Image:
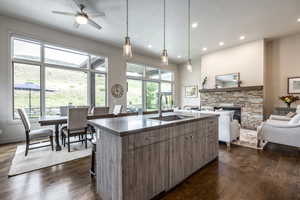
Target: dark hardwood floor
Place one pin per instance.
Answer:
(241, 174)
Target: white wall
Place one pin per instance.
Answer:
(12, 130)
(283, 61)
(247, 59)
(189, 79)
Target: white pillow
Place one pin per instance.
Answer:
(295, 119)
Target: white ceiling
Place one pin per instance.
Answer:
(219, 20)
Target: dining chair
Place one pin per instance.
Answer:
(76, 126)
(100, 110)
(38, 134)
(117, 109)
(63, 110)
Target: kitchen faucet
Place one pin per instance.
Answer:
(161, 94)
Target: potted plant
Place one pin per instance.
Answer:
(289, 99)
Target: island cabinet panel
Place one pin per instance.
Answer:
(109, 162)
(176, 159)
(192, 150)
(141, 165)
(146, 165)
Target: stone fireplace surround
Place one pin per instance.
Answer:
(250, 99)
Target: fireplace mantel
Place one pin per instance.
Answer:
(236, 89)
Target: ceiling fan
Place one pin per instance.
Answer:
(82, 17)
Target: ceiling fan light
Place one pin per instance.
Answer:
(127, 51)
(80, 19)
(189, 65)
(164, 57)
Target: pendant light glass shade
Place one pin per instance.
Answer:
(164, 57)
(164, 53)
(189, 65)
(127, 50)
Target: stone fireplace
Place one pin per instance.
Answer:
(249, 99)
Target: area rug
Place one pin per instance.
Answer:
(44, 157)
(248, 138)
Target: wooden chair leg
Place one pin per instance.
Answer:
(93, 162)
(27, 148)
(69, 148)
(51, 142)
(85, 140)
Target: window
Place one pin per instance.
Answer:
(26, 50)
(98, 63)
(152, 89)
(27, 89)
(134, 70)
(100, 89)
(166, 75)
(152, 73)
(143, 85)
(64, 57)
(167, 89)
(134, 95)
(64, 88)
(70, 78)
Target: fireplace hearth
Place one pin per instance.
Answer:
(247, 104)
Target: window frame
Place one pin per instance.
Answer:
(91, 90)
(145, 80)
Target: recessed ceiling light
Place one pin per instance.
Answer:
(204, 49)
(298, 19)
(242, 37)
(179, 56)
(221, 43)
(195, 25)
(149, 46)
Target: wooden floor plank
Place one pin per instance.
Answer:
(241, 174)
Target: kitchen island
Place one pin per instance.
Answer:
(140, 157)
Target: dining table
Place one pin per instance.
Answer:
(57, 121)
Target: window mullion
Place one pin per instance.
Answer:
(144, 95)
(90, 85)
(42, 82)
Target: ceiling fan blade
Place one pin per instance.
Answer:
(76, 25)
(99, 14)
(78, 4)
(64, 13)
(94, 24)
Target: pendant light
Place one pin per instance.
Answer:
(189, 62)
(164, 53)
(127, 51)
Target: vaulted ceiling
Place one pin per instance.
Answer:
(218, 20)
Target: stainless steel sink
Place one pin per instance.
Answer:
(171, 117)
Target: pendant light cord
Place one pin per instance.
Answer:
(189, 30)
(164, 24)
(127, 18)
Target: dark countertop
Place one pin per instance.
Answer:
(134, 124)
